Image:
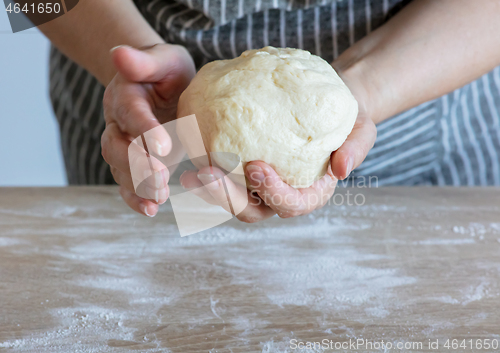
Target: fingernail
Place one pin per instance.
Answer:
(255, 173)
(158, 148)
(350, 164)
(209, 181)
(181, 179)
(118, 46)
(145, 210)
(187, 188)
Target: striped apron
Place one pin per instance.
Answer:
(453, 140)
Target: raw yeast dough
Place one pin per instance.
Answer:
(285, 107)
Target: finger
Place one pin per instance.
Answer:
(284, 199)
(121, 180)
(138, 204)
(190, 182)
(256, 209)
(130, 106)
(120, 153)
(237, 200)
(158, 196)
(355, 148)
(211, 178)
(278, 195)
(148, 65)
(189, 179)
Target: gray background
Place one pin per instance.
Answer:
(29, 142)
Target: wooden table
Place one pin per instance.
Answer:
(80, 272)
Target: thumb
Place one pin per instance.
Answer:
(355, 148)
(151, 64)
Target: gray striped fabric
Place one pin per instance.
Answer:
(454, 140)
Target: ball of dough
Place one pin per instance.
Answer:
(285, 107)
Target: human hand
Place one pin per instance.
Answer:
(142, 96)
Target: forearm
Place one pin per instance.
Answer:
(430, 48)
(93, 27)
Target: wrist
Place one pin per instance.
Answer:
(362, 81)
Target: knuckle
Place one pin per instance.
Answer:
(114, 172)
(178, 55)
(105, 155)
(122, 112)
(107, 96)
(107, 104)
(131, 111)
(106, 142)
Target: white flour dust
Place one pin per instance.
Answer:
(437, 241)
(324, 263)
(470, 294)
(84, 330)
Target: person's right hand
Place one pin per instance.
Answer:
(142, 96)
